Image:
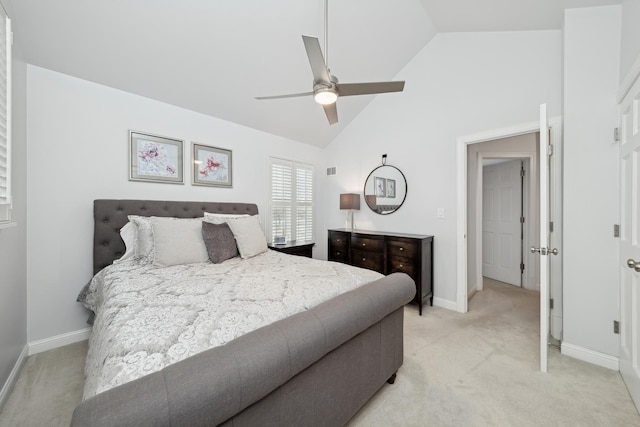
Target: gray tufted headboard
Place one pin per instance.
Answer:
(111, 215)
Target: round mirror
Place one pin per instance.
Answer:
(385, 189)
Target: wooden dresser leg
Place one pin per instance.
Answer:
(392, 378)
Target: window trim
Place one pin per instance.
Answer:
(6, 203)
(270, 202)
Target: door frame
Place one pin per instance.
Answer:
(555, 125)
(531, 215)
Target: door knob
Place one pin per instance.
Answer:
(633, 264)
(544, 251)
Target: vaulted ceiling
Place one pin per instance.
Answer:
(214, 57)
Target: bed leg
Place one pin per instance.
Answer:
(392, 378)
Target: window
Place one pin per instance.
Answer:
(5, 117)
(291, 201)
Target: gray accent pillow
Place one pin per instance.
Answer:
(219, 240)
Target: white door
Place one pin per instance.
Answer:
(544, 249)
(501, 226)
(630, 242)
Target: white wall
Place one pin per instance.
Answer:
(630, 42)
(13, 248)
(591, 201)
(459, 84)
(78, 152)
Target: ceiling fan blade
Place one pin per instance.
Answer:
(349, 89)
(332, 113)
(292, 95)
(316, 60)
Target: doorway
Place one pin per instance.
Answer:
(513, 148)
(470, 150)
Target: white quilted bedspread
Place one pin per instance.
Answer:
(149, 317)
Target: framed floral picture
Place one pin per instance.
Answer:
(212, 166)
(381, 186)
(154, 158)
(391, 187)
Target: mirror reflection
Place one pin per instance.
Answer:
(385, 189)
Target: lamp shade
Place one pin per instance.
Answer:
(350, 201)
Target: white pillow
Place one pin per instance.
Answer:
(144, 236)
(178, 241)
(128, 234)
(249, 235)
(218, 218)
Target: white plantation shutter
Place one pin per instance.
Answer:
(5, 117)
(291, 201)
(304, 203)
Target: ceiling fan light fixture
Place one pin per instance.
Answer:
(325, 96)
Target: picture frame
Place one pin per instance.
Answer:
(212, 166)
(155, 158)
(391, 187)
(279, 240)
(381, 186)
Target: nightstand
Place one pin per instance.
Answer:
(301, 248)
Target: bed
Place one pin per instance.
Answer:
(315, 367)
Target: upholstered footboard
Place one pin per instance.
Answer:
(314, 368)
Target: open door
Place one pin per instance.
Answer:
(630, 242)
(544, 249)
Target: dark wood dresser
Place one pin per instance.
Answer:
(387, 253)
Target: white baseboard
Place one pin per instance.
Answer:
(445, 303)
(13, 377)
(50, 343)
(590, 356)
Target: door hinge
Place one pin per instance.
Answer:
(616, 134)
(551, 303)
(550, 150)
(616, 230)
(616, 327)
(522, 173)
(521, 220)
(550, 226)
(521, 267)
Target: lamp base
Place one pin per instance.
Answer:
(349, 223)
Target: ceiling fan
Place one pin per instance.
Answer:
(326, 87)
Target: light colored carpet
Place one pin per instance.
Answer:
(48, 388)
(482, 369)
(474, 369)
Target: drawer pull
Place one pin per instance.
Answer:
(337, 253)
(401, 265)
(364, 244)
(364, 259)
(338, 240)
(402, 249)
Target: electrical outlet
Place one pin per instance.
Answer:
(440, 213)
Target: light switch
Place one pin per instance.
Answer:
(440, 213)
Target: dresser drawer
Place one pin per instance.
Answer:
(405, 248)
(339, 255)
(398, 264)
(338, 240)
(339, 246)
(367, 243)
(370, 260)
